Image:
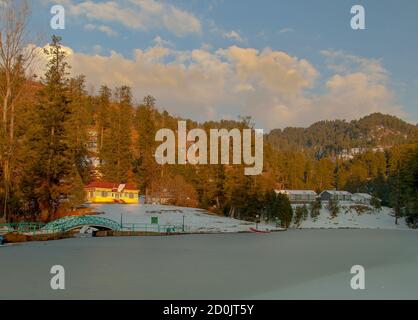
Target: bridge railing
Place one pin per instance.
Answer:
(160, 228)
(39, 228)
(21, 227)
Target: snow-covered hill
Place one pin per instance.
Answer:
(350, 217)
(195, 220)
(198, 220)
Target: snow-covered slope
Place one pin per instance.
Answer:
(195, 220)
(349, 217)
(198, 220)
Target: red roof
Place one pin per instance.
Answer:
(110, 185)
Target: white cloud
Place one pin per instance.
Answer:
(286, 30)
(231, 35)
(275, 88)
(234, 35)
(97, 49)
(105, 29)
(341, 62)
(160, 42)
(136, 14)
(359, 86)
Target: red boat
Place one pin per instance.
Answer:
(259, 231)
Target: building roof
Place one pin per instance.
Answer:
(338, 192)
(111, 185)
(364, 195)
(311, 192)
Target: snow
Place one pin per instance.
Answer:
(348, 217)
(195, 220)
(337, 192)
(297, 264)
(201, 221)
(363, 195)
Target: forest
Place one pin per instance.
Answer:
(50, 122)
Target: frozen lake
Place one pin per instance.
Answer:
(294, 264)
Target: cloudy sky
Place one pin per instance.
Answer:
(283, 62)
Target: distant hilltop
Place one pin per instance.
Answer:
(339, 137)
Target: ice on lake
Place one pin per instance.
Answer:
(306, 264)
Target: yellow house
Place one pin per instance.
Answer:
(109, 192)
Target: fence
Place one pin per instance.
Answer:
(160, 228)
(33, 228)
(22, 227)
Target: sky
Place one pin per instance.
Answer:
(282, 62)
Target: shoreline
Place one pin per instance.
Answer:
(138, 234)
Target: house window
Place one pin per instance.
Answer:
(91, 194)
(131, 195)
(104, 194)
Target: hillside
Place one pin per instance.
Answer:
(332, 137)
(201, 221)
(353, 217)
(195, 220)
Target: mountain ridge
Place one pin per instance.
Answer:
(326, 137)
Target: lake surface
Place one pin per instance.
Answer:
(306, 264)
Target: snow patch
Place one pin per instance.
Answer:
(349, 217)
(195, 220)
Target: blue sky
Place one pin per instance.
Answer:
(284, 62)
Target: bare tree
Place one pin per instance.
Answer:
(15, 58)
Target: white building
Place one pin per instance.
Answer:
(299, 196)
(363, 198)
(335, 195)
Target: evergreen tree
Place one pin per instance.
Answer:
(103, 113)
(77, 126)
(116, 152)
(285, 210)
(52, 172)
(145, 167)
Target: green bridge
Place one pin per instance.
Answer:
(74, 222)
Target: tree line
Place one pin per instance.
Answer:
(49, 124)
(51, 162)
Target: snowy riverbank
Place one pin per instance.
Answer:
(350, 217)
(198, 220)
(195, 220)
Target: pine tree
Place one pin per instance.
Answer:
(51, 171)
(146, 169)
(116, 152)
(411, 185)
(77, 126)
(103, 113)
(285, 210)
